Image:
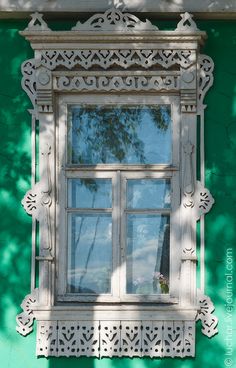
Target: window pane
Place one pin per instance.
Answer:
(147, 264)
(89, 193)
(119, 134)
(148, 193)
(89, 253)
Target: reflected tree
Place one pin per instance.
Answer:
(101, 134)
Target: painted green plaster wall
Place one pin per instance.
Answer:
(15, 233)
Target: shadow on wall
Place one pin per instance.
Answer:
(15, 238)
(15, 169)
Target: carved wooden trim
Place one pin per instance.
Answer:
(37, 23)
(209, 320)
(195, 196)
(115, 52)
(114, 20)
(37, 201)
(117, 83)
(188, 185)
(203, 199)
(28, 81)
(118, 338)
(124, 58)
(187, 23)
(205, 79)
(25, 319)
(38, 197)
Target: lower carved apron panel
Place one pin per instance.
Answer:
(118, 338)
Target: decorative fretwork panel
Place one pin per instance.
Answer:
(118, 338)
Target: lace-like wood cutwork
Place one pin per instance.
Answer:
(25, 319)
(209, 320)
(117, 83)
(125, 58)
(114, 20)
(118, 338)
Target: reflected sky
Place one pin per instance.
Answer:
(148, 193)
(119, 134)
(89, 193)
(147, 238)
(89, 253)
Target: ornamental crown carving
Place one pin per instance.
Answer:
(114, 20)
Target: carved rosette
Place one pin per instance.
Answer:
(209, 321)
(25, 319)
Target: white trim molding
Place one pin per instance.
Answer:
(113, 54)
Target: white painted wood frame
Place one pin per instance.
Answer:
(114, 58)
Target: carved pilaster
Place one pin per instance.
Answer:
(44, 90)
(37, 201)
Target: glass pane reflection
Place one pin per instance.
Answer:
(148, 193)
(89, 193)
(89, 253)
(147, 263)
(119, 134)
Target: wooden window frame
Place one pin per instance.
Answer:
(116, 172)
(118, 56)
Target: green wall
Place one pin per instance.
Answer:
(15, 233)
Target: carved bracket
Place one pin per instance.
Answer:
(28, 81)
(203, 200)
(209, 321)
(25, 319)
(205, 79)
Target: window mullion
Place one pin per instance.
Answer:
(115, 277)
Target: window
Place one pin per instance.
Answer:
(119, 180)
(116, 101)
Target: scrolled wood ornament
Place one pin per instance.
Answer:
(206, 316)
(25, 320)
